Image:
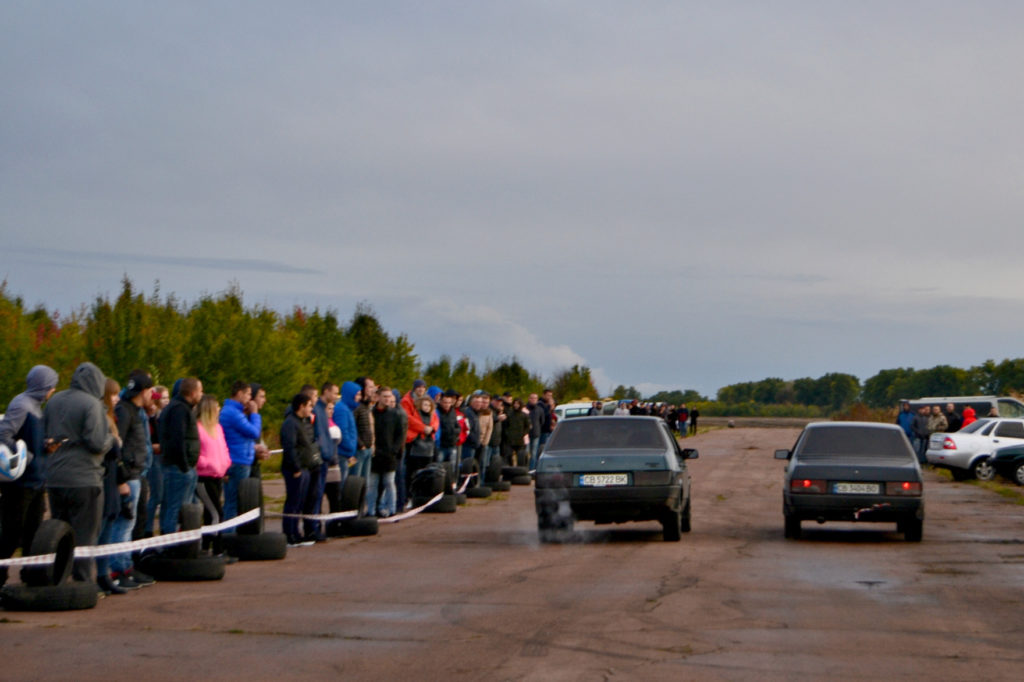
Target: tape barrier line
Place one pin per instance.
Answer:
(465, 484)
(315, 517)
(412, 512)
(148, 543)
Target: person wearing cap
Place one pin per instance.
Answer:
(131, 428)
(22, 501)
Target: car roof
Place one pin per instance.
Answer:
(866, 425)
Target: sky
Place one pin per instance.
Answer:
(678, 195)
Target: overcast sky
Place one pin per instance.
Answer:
(675, 194)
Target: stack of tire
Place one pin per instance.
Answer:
(47, 588)
(492, 477)
(184, 562)
(516, 475)
(251, 541)
(477, 489)
(353, 499)
(429, 482)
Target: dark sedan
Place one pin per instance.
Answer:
(853, 471)
(1009, 463)
(612, 470)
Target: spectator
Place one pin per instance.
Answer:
(921, 430)
(495, 445)
(345, 419)
(323, 410)
(414, 429)
(161, 397)
(365, 429)
(517, 429)
(179, 440)
(389, 442)
(22, 501)
(260, 451)
(300, 457)
(694, 414)
(471, 412)
(596, 409)
(213, 465)
(537, 416)
(970, 416)
(419, 451)
(486, 420)
(74, 420)
(905, 420)
(132, 430)
(115, 489)
(683, 416)
(621, 410)
(937, 421)
(242, 425)
(448, 431)
(547, 401)
(954, 422)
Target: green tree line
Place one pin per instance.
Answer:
(220, 339)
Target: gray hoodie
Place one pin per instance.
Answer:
(38, 383)
(76, 419)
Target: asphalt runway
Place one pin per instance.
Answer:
(474, 596)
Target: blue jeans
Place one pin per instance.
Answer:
(122, 529)
(296, 491)
(387, 500)
(156, 494)
(401, 485)
(236, 474)
(543, 441)
(362, 465)
(179, 489)
(534, 449)
(489, 454)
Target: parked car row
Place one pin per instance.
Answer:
(981, 450)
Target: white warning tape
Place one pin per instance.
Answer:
(315, 517)
(465, 484)
(149, 543)
(412, 512)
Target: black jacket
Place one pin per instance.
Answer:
(299, 445)
(389, 439)
(179, 435)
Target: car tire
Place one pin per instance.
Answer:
(792, 528)
(501, 486)
(262, 547)
(70, 596)
(1018, 474)
(478, 492)
(913, 529)
(250, 496)
(525, 479)
(191, 518)
(365, 526)
(508, 473)
(983, 470)
(52, 537)
(353, 494)
(685, 524)
(449, 477)
(493, 472)
(672, 525)
(173, 569)
(448, 504)
(461, 499)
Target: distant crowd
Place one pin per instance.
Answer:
(919, 425)
(681, 420)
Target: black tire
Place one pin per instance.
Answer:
(792, 530)
(469, 466)
(426, 483)
(672, 526)
(250, 496)
(508, 473)
(913, 529)
(448, 504)
(522, 480)
(501, 486)
(478, 492)
(461, 499)
(449, 477)
(1018, 474)
(685, 520)
(172, 569)
(983, 469)
(353, 494)
(262, 547)
(70, 596)
(494, 468)
(52, 537)
(367, 525)
(191, 518)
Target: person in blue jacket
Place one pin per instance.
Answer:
(242, 424)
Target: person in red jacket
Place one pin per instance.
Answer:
(419, 437)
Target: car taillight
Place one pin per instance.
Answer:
(912, 488)
(948, 443)
(806, 485)
(652, 478)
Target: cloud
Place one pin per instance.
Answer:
(109, 259)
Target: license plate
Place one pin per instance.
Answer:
(856, 488)
(603, 480)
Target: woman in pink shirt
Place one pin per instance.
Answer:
(213, 464)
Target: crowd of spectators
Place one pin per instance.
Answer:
(919, 425)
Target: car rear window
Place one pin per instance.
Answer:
(974, 426)
(606, 434)
(842, 441)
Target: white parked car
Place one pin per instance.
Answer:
(966, 452)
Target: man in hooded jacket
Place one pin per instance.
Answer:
(22, 501)
(77, 425)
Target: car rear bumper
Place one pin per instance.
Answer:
(613, 504)
(852, 508)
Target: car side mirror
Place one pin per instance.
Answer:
(782, 454)
(690, 453)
